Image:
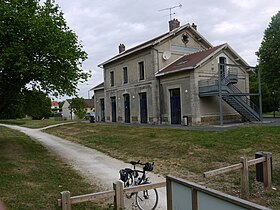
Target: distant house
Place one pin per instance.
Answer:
(70, 115)
(173, 77)
(54, 106)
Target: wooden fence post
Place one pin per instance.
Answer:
(244, 178)
(194, 199)
(65, 200)
(267, 170)
(119, 197)
(169, 193)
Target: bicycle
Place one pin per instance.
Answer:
(147, 199)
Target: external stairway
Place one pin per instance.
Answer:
(231, 95)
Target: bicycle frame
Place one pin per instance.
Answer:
(146, 199)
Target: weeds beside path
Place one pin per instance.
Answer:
(186, 153)
(31, 178)
(93, 165)
(29, 123)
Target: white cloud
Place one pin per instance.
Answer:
(103, 25)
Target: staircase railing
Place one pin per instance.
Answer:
(230, 77)
(228, 81)
(213, 80)
(246, 99)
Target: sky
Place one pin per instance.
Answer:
(101, 25)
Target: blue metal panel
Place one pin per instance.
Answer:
(181, 197)
(208, 202)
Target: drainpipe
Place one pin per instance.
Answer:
(260, 93)
(158, 84)
(160, 100)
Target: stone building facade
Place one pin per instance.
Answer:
(157, 82)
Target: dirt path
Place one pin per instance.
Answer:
(95, 166)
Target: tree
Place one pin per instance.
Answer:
(15, 109)
(38, 50)
(78, 106)
(269, 57)
(37, 105)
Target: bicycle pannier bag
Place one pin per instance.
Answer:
(148, 167)
(123, 175)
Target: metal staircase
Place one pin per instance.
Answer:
(239, 101)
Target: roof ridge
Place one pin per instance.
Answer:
(172, 62)
(210, 48)
(155, 41)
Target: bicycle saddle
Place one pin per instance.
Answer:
(134, 162)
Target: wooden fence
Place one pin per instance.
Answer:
(243, 166)
(186, 195)
(118, 192)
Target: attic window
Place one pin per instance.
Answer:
(185, 39)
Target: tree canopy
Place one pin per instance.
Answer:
(37, 105)
(37, 50)
(78, 106)
(269, 56)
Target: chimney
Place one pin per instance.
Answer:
(174, 24)
(194, 26)
(121, 48)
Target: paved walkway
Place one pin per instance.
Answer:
(95, 166)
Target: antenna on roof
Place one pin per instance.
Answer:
(170, 10)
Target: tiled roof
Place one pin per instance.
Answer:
(155, 41)
(89, 102)
(54, 104)
(101, 85)
(188, 61)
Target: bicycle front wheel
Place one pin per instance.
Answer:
(147, 199)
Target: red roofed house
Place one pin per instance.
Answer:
(174, 77)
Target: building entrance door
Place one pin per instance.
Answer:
(126, 108)
(143, 108)
(114, 109)
(175, 106)
(102, 108)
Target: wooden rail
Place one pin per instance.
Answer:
(232, 167)
(66, 200)
(244, 171)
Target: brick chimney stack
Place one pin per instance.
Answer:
(174, 24)
(194, 26)
(121, 48)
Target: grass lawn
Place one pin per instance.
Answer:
(29, 123)
(271, 114)
(186, 153)
(31, 178)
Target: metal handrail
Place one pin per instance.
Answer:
(213, 80)
(246, 99)
(226, 81)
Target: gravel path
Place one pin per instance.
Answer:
(95, 166)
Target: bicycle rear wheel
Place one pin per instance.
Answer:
(147, 199)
